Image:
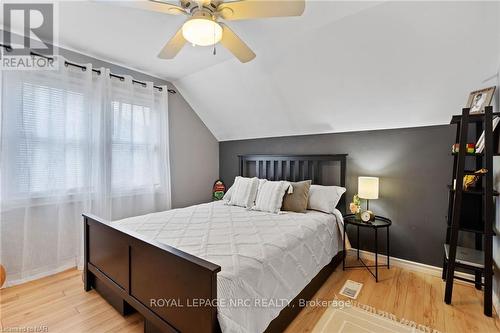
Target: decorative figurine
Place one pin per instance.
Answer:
(218, 190)
(470, 148)
(471, 180)
(355, 207)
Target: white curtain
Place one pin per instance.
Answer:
(72, 142)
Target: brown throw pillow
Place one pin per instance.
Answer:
(297, 201)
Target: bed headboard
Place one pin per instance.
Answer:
(296, 168)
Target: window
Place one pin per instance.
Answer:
(52, 134)
(134, 149)
(53, 145)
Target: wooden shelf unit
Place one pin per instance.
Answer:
(473, 118)
(472, 210)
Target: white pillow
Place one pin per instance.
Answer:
(228, 194)
(261, 182)
(270, 196)
(324, 198)
(244, 192)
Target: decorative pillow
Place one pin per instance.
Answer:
(324, 198)
(270, 196)
(229, 193)
(244, 192)
(261, 182)
(297, 201)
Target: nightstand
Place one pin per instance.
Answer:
(379, 223)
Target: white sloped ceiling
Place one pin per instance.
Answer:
(342, 66)
(389, 65)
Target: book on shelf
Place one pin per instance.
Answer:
(480, 141)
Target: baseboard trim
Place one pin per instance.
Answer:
(421, 268)
(16, 281)
(411, 265)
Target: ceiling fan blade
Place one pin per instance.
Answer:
(250, 9)
(173, 46)
(154, 6)
(235, 45)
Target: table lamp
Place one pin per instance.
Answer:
(368, 189)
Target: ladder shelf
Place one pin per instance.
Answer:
(467, 257)
(471, 210)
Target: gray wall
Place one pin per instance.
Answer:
(414, 166)
(194, 151)
(194, 155)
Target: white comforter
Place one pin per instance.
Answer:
(266, 259)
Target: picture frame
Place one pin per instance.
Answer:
(479, 99)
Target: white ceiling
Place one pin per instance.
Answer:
(133, 37)
(342, 66)
(398, 64)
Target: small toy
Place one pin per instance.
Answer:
(471, 180)
(218, 190)
(470, 148)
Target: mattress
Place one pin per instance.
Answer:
(266, 259)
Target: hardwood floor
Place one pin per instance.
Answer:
(59, 303)
(410, 295)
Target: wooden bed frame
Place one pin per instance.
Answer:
(134, 273)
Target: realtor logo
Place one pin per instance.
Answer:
(28, 36)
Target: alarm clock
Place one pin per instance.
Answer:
(367, 216)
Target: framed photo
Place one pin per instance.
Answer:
(479, 99)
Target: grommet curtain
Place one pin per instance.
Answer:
(73, 141)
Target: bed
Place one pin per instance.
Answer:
(196, 269)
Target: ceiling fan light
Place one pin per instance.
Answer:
(202, 31)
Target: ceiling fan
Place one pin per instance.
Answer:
(203, 26)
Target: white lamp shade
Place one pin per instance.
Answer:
(368, 187)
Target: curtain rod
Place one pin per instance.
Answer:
(97, 71)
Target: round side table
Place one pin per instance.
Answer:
(378, 223)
